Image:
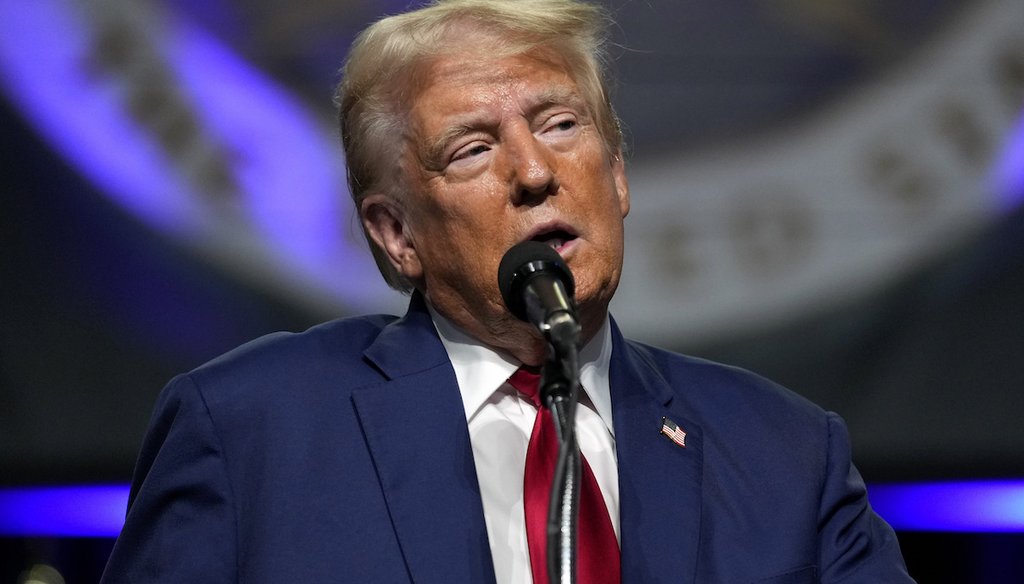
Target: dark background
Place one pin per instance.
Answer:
(98, 310)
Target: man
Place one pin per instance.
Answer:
(378, 449)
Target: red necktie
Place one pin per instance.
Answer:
(598, 558)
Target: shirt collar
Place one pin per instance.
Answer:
(480, 370)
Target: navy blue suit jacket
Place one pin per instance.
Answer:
(342, 454)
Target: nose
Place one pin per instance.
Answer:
(532, 168)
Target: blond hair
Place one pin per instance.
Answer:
(380, 72)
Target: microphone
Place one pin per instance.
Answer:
(538, 287)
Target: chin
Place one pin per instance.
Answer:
(591, 288)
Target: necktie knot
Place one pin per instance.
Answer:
(526, 380)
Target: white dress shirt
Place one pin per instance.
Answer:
(500, 424)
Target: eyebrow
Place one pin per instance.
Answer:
(559, 95)
(435, 148)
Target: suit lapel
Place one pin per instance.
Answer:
(415, 427)
(659, 481)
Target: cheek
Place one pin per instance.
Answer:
(594, 167)
(467, 240)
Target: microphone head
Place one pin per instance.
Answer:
(523, 262)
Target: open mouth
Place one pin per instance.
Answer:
(556, 238)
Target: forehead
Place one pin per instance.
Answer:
(457, 86)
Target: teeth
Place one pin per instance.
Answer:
(555, 243)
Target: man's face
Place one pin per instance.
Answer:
(501, 151)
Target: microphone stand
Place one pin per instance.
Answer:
(559, 391)
(537, 286)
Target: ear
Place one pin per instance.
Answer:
(621, 184)
(385, 223)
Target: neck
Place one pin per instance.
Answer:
(515, 338)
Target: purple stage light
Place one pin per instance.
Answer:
(74, 511)
(1007, 176)
(966, 506)
(279, 208)
(963, 506)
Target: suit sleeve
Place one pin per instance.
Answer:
(855, 544)
(180, 525)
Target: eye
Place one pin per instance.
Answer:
(470, 150)
(561, 124)
(565, 125)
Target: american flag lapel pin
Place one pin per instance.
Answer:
(674, 433)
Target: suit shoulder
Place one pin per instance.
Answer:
(285, 360)
(706, 383)
(343, 335)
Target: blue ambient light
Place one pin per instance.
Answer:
(277, 209)
(75, 511)
(968, 506)
(1007, 175)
